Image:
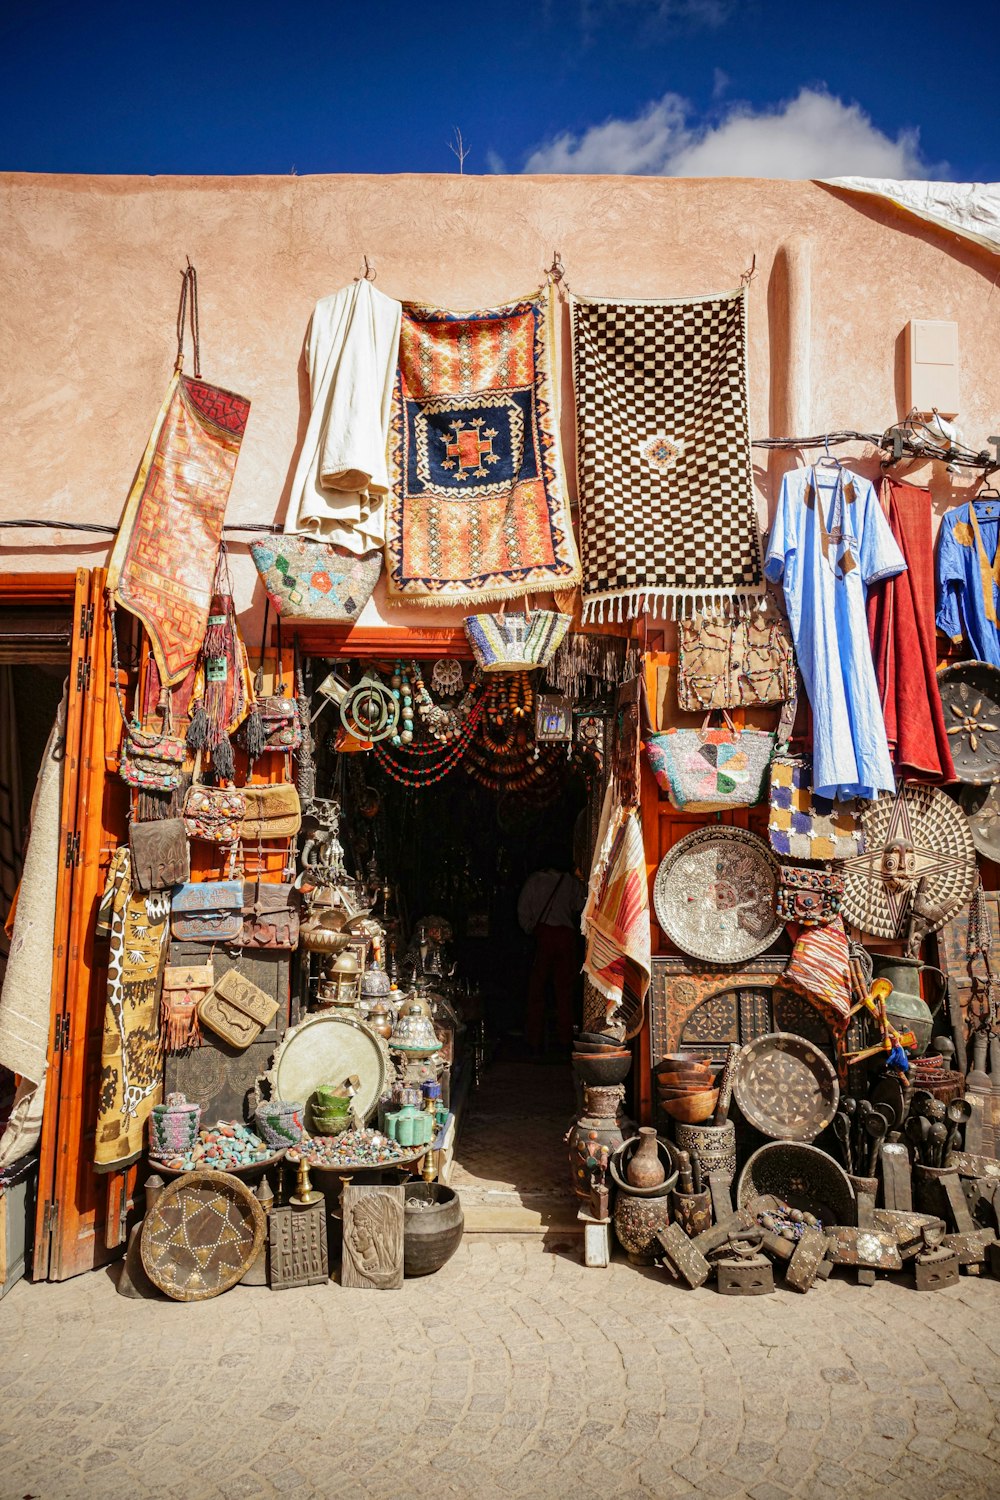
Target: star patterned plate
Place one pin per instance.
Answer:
(970, 697)
(786, 1088)
(203, 1235)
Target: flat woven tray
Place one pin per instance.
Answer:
(786, 1087)
(203, 1235)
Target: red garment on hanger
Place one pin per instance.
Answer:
(901, 630)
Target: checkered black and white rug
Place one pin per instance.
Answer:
(663, 455)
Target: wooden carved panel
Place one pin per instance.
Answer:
(710, 1009)
(373, 1237)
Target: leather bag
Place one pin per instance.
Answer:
(237, 1009)
(161, 854)
(271, 812)
(735, 661)
(214, 813)
(270, 916)
(151, 762)
(207, 911)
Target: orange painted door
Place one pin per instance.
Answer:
(81, 1212)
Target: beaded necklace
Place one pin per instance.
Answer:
(444, 724)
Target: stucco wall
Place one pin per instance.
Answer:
(89, 282)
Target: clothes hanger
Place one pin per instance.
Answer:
(829, 460)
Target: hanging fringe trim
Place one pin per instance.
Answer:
(154, 806)
(669, 604)
(474, 596)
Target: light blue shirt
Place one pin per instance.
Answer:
(826, 548)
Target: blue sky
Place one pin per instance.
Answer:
(682, 87)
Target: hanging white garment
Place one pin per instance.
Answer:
(338, 493)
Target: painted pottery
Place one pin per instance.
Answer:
(637, 1222)
(906, 1007)
(600, 1124)
(714, 1146)
(644, 1169)
(433, 1225)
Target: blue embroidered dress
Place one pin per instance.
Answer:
(829, 541)
(968, 564)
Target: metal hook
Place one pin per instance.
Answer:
(369, 273)
(557, 270)
(750, 273)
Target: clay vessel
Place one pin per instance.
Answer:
(601, 1124)
(645, 1170)
(431, 1234)
(637, 1221)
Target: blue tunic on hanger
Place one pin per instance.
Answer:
(829, 541)
(968, 597)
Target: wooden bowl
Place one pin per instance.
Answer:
(673, 1060)
(692, 1109)
(703, 1076)
(611, 1045)
(684, 1086)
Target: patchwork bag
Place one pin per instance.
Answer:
(214, 814)
(314, 580)
(270, 916)
(184, 988)
(711, 767)
(161, 854)
(237, 1009)
(270, 812)
(512, 642)
(819, 968)
(803, 826)
(207, 911)
(807, 896)
(151, 762)
(280, 726)
(735, 661)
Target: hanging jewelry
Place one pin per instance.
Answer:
(446, 677)
(403, 694)
(443, 724)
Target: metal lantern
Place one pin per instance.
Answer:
(341, 984)
(414, 1032)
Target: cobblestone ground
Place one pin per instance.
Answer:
(513, 1372)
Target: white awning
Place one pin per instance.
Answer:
(971, 209)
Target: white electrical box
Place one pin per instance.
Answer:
(932, 366)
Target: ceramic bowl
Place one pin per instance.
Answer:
(602, 1067)
(692, 1109)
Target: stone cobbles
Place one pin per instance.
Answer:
(513, 1372)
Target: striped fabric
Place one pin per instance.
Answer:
(819, 969)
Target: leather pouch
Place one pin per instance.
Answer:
(272, 812)
(237, 1009)
(161, 855)
(208, 911)
(270, 916)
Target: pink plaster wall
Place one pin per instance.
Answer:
(89, 281)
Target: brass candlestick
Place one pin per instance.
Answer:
(305, 1193)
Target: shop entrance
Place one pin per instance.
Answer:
(450, 859)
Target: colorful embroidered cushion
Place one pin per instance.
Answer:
(307, 579)
(803, 826)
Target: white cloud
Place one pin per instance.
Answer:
(813, 135)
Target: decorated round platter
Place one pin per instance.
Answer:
(786, 1087)
(970, 697)
(202, 1236)
(320, 1168)
(981, 805)
(328, 1049)
(714, 895)
(803, 1177)
(919, 855)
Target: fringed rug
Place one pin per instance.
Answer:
(663, 456)
(478, 509)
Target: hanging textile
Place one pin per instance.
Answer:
(341, 479)
(663, 455)
(163, 561)
(478, 510)
(901, 630)
(27, 988)
(135, 926)
(828, 543)
(968, 578)
(615, 921)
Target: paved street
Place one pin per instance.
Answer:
(513, 1372)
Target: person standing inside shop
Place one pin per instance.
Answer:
(549, 908)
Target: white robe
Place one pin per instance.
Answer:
(338, 493)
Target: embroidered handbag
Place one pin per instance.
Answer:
(207, 911)
(237, 1009)
(184, 988)
(314, 580)
(512, 642)
(214, 814)
(711, 767)
(820, 969)
(270, 916)
(161, 855)
(151, 762)
(735, 661)
(279, 719)
(802, 826)
(807, 896)
(272, 812)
